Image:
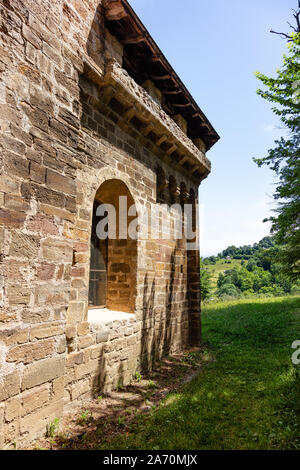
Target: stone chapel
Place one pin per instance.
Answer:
(92, 115)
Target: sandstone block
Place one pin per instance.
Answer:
(30, 36)
(43, 224)
(16, 146)
(70, 332)
(80, 388)
(86, 341)
(43, 371)
(12, 409)
(57, 250)
(18, 295)
(33, 316)
(37, 422)
(59, 182)
(14, 336)
(13, 219)
(45, 272)
(51, 294)
(91, 367)
(37, 173)
(34, 399)
(96, 351)
(83, 328)
(75, 312)
(30, 352)
(74, 359)
(24, 246)
(58, 388)
(10, 385)
(61, 345)
(47, 330)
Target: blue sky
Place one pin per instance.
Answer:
(215, 46)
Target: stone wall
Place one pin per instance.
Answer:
(57, 148)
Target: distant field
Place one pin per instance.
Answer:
(220, 267)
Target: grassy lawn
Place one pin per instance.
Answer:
(245, 393)
(247, 398)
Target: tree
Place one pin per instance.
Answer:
(229, 290)
(205, 282)
(284, 158)
(295, 29)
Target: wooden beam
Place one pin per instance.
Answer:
(171, 92)
(183, 160)
(171, 150)
(147, 129)
(133, 40)
(130, 113)
(158, 78)
(161, 140)
(114, 10)
(194, 169)
(178, 105)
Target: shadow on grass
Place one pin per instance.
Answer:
(248, 398)
(100, 420)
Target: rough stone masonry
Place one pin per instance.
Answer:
(90, 109)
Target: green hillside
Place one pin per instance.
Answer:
(220, 267)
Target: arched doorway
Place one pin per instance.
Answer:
(113, 260)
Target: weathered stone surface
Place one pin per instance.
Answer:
(51, 294)
(30, 352)
(47, 330)
(80, 388)
(18, 295)
(34, 399)
(12, 219)
(1, 426)
(59, 182)
(16, 335)
(24, 246)
(37, 422)
(75, 312)
(43, 371)
(42, 224)
(56, 250)
(76, 126)
(12, 409)
(10, 385)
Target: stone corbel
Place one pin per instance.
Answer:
(114, 10)
(116, 83)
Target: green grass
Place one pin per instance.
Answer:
(220, 267)
(247, 398)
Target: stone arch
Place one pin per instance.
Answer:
(98, 177)
(114, 258)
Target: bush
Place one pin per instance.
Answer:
(295, 290)
(229, 290)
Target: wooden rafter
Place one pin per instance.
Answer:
(144, 60)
